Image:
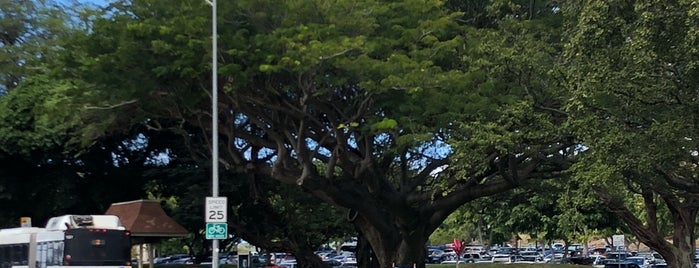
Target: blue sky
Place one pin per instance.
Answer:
(96, 2)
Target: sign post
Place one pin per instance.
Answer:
(216, 215)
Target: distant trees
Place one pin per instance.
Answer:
(545, 210)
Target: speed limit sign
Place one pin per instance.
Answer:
(216, 209)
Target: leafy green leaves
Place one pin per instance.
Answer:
(38, 116)
(630, 68)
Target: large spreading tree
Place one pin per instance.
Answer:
(396, 113)
(633, 73)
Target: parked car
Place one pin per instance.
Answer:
(621, 264)
(560, 261)
(599, 260)
(474, 249)
(506, 250)
(476, 257)
(286, 258)
(618, 255)
(558, 246)
(598, 251)
(502, 258)
(656, 258)
(186, 260)
(288, 264)
(345, 258)
(658, 265)
(435, 256)
(170, 258)
(641, 261)
(462, 260)
(552, 257)
(160, 260)
(531, 256)
(504, 255)
(350, 262)
(332, 263)
(327, 255)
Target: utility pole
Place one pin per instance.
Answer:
(214, 130)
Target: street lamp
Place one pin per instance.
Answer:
(214, 121)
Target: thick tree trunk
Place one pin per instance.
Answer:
(680, 259)
(682, 253)
(365, 254)
(392, 247)
(308, 259)
(679, 253)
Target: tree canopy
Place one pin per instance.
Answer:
(633, 79)
(393, 114)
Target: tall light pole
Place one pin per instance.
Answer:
(214, 122)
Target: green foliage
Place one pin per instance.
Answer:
(374, 86)
(631, 69)
(122, 57)
(516, 92)
(272, 215)
(385, 125)
(37, 117)
(637, 87)
(29, 37)
(46, 181)
(460, 225)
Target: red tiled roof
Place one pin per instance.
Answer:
(145, 218)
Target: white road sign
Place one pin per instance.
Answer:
(216, 209)
(618, 241)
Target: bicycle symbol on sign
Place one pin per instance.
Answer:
(216, 230)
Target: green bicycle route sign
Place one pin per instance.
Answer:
(216, 230)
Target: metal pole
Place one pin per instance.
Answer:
(214, 121)
(214, 104)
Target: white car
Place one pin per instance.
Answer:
(502, 258)
(555, 256)
(477, 258)
(641, 261)
(454, 261)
